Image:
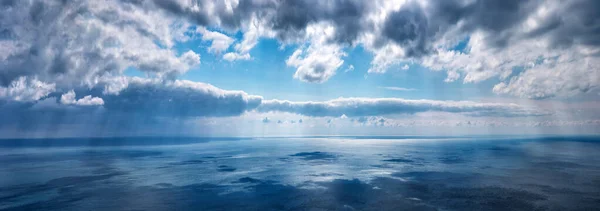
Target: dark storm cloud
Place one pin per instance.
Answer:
(415, 28)
(578, 23)
(496, 17)
(288, 18)
(408, 28)
(575, 22)
(347, 16)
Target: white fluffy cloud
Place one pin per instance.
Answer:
(316, 64)
(320, 60)
(24, 90)
(219, 42)
(69, 99)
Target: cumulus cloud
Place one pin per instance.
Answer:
(315, 65)
(219, 42)
(319, 61)
(500, 37)
(179, 98)
(564, 76)
(74, 42)
(353, 107)
(69, 99)
(26, 89)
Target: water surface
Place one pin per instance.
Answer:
(315, 173)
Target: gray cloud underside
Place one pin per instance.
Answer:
(149, 98)
(353, 107)
(136, 99)
(180, 98)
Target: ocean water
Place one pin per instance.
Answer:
(312, 173)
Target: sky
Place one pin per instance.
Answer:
(87, 68)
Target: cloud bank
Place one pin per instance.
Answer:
(353, 107)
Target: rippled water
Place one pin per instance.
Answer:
(340, 173)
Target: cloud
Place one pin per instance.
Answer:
(408, 27)
(320, 60)
(179, 98)
(315, 65)
(396, 88)
(232, 56)
(563, 77)
(70, 43)
(500, 37)
(219, 42)
(349, 69)
(266, 120)
(353, 107)
(25, 89)
(69, 99)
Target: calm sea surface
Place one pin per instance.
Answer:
(317, 173)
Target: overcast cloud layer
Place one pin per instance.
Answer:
(72, 55)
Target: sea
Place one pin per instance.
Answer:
(301, 173)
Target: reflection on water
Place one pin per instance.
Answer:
(342, 173)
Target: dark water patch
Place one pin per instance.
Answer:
(550, 189)
(381, 166)
(452, 159)
(12, 193)
(399, 160)
(248, 180)
(186, 162)
(225, 168)
(216, 157)
(446, 197)
(315, 155)
(78, 180)
(164, 185)
(123, 154)
(88, 156)
(435, 176)
(499, 148)
(558, 165)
